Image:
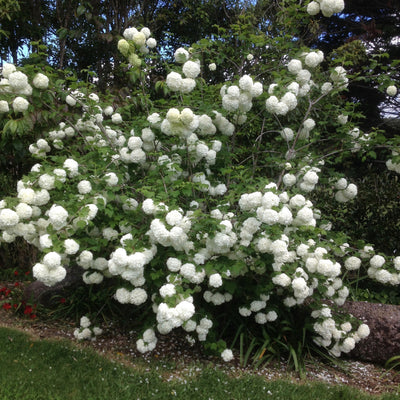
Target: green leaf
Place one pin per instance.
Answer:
(80, 10)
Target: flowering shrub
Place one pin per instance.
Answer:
(156, 203)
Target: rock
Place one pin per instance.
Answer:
(38, 293)
(384, 323)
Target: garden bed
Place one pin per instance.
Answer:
(119, 345)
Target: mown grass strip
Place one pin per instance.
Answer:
(58, 370)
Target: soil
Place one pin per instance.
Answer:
(118, 345)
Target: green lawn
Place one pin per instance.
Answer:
(58, 370)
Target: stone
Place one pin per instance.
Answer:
(384, 323)
(38, 293)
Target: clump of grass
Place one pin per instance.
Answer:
(58, 370)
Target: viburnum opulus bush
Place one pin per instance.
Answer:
(201, 203)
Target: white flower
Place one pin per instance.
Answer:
(185, 309)
(123, 296)
(352, 263)
(330, 7)
(151, 43)
(116, 118)
(212, 67)
(272, 316)
(391, 90)
(287, 134)
(174, 81)
(40, 81)
(71, 246)
(313, 59)
(58, 215)
(84, 187)
(70, 101)
(290, 100)
(85, 322)
(348, 345)
(377, 261)
(281, 280)
(342, 119)
(139, 38)
(250, 57)
(167, 290)
(52, 260)
(363, 331)
(23, 210)
(181, 55)
(8, 69)
(46, 181)
(45, 241)
(174, 217)
(4, 108)
(227, 355)
(138, 296)
(191, 69)
(313, 8)
(294, 66)
(71, 166)
(8, 217)
(18, 81)
(20, 104)
(111, 178)
(326, 87)
(215, 280)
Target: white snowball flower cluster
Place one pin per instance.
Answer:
(174, 235)
(131, 268)
(227, 355)
(239, 98)
(40, 81)
(314, 58)
(141, 39)
(20, 104)
(179, 123)
(327, 7)
(136, 296)
(49, 271)
(85, 331)
(339, 78)
(295, 89)
(169, 318)
(191, 70)
(148, 341)
(393, 166)
(345, 192)
(338, 337)
(309, 180)
(391, 90)
(181, 55)
(377, 271)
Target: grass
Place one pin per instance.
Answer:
(58, 370)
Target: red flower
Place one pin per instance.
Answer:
(6, 306)
(16, 284)
(27, 272)
(63, 300)
(7, 292)
(15, 305)
(16, 273)
(28, 310)
(33, 316)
